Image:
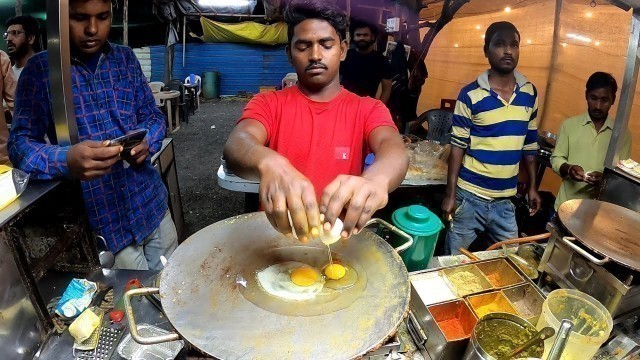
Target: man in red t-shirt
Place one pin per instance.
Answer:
(306, 144)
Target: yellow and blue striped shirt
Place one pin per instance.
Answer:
(496, 134)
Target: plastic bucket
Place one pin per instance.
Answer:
(424, 226)
(592, 322)
(211, 85)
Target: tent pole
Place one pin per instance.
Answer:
(554, 59)
(125, 22)
(184, 39)
(59, 56)
(625, 102)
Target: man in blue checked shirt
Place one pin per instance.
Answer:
(494, 128)
(127, 205)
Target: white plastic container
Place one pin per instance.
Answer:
(131, 350)
(592, 323)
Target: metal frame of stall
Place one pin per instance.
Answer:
(619, 187)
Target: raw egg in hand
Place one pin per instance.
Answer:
(332, 236)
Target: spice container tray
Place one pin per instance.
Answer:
(430, 300)
(527, 299)
(449, 326)
(466, 280)
(431, 288)
(500, 274)
(490, 302)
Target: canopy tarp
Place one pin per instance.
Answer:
(245, 32)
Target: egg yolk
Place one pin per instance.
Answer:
(304, 276)
(335, 271)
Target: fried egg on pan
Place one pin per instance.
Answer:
(291, 280)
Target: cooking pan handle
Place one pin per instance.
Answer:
(568, 241)
(398, 232)
(415, 330)
(133, 328)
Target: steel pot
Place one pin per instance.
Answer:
(205, 292)
(475, 350)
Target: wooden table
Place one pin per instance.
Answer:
(169, 97)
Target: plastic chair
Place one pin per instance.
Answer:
(157, 86)
(187, 81)
(448, 104)
(440, 122)
(289, 80)
(183, 100)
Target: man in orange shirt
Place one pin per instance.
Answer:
(306, 144)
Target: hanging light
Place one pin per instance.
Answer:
(597, 43)
(477, 27)
(507, 9)
(589, 14)
(528, 41)
(579, 37)
(455, 45)
(564, 44)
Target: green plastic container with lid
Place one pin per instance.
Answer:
(424, 227)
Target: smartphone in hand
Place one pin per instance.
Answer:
(129, 141)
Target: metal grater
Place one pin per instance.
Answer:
(107, 343)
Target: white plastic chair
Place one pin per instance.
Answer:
(157, 86)
(187, 81)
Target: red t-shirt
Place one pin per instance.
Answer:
(320, 139)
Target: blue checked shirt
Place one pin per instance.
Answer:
(128, 204)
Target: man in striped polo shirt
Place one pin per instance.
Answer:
(494, 127)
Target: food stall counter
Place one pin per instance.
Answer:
(34, 191)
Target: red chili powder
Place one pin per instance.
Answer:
(452, 329)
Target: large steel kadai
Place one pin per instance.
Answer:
(608, 229)
(208, 291)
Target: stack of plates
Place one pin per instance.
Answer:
(629, 166)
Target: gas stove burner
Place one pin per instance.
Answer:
(621, 272)
(154, 281)
(611, 283)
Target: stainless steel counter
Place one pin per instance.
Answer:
(20, 329)
(621, 189)
(35, 190)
